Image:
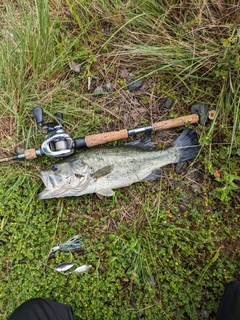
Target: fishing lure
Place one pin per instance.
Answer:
(71, 244)
(82, 268)
(64, 267)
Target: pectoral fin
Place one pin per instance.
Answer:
(156, 174)
(103, 172)
(105, 193)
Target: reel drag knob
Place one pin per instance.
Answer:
(59, 117)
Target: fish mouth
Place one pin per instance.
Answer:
(57, 187)
(50, 180)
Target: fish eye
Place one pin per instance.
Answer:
(54, 167)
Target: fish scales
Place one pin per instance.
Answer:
(101, 170)
(128, 163)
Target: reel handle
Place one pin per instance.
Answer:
(38, 115)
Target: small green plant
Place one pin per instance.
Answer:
(229, 184)
(224, 171)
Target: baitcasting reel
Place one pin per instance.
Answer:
(57, 143)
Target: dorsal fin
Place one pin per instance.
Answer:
(143, 144)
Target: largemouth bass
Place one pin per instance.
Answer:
(103, 169)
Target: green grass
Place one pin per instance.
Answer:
(158, 249)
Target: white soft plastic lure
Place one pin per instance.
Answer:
(82, 268)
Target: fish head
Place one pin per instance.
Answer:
(65, 179)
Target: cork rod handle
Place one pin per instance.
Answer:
(173, 123)
(30, 154)
(101, 138)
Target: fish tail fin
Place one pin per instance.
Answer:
(186, 145)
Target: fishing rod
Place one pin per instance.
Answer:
(59, 144)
